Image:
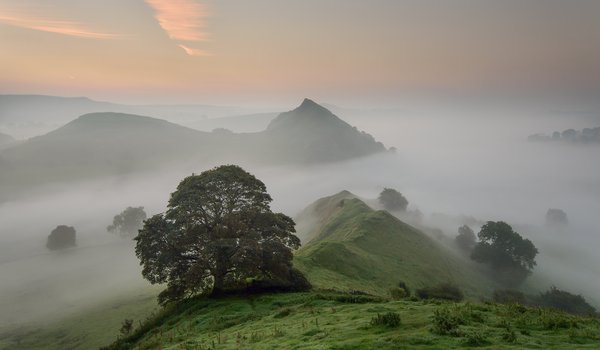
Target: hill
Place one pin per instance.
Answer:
(104, 144)
(330, 320)
(351, 246)
(96, 145)
(312, 133)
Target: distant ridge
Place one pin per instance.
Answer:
(110, 143)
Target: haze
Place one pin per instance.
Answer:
(455, 87)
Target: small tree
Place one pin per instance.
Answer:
(556, 218)
(466, 238)
(392, 200)
(218, 234)
(510, 256)
(128, 222)
(61, 237)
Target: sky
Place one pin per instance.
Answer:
(273, 51)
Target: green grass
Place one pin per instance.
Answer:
(89, 328)
(356, 247)
(325, 320)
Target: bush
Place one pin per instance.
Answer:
(475, 338)
(444, 291)
(509, 296)
(446, 322)
(404, 286)
(61, 237)
(389, 319)
(398, 293)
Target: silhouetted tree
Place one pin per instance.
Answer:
(556, 218)
(217, 234)
(61, 237)
(510, 256)
(466, 238)
(128, 222)
(392, 200)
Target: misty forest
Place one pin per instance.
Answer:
(437, 190)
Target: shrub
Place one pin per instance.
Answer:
(389, 319)
(398, 293)
(446, 322)
(475, 338)
(509, 296)
(404, 286)
(444, 291)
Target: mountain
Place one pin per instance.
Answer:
(311, 133)
(103, 144)
(351, 246)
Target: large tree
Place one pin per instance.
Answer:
(510, 256)
(466, 239)
(128, 222)
(218, 234)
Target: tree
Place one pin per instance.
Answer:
(510, 256)
(61, 237)
(219, 234)
(466, 238)
(556, 218)
(392, 200)
(128, 222)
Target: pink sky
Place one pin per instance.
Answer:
(271, 50)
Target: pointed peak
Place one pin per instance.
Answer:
(310, 105)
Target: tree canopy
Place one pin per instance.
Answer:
(128, 222)
(61, 237)
(510, 256)
(218, 234)
(392, 200)
(466, 238)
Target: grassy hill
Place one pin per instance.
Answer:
(340, 321)
(351, 246)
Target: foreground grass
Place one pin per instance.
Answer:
(87, 329)
(330, 320)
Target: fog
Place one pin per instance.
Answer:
(450, 163)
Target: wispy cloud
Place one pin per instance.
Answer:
(182, 19)
(195, 52)
(64, 27)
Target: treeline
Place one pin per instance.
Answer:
(585, 136)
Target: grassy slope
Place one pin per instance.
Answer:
(87, 329)
(329, 321)
(355, 247)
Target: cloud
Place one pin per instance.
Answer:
(183, 20)
(195, 52)
(64, 27)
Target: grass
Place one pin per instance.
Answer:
(318, 320)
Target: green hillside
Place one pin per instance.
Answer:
(340, 321)
(351, 246)
(353, 255)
